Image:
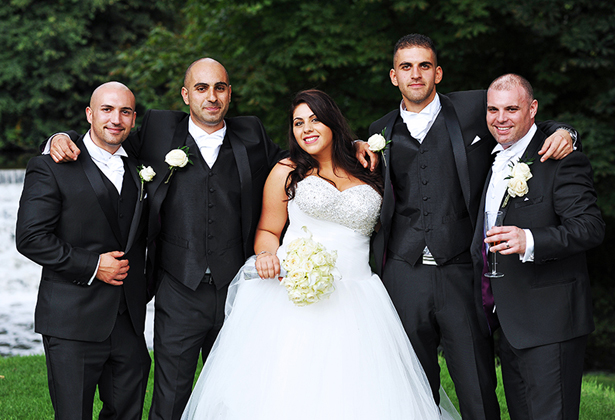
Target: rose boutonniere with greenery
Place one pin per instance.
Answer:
(177, 159)
(146, 174)
(520, 173)
(378, 143)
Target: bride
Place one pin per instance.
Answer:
(345, 356)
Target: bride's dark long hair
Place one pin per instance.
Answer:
(343, 153)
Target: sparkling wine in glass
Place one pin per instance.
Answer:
(492, 219)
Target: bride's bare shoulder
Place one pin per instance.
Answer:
(283, 168)
(279, 173)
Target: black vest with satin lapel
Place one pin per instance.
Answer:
(124, 204)
(430, 208)
(209, 234)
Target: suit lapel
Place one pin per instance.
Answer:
(461, 160)
(388, 200)
(159, 187)
(102, 193)
(245, 178)
(134, 224)
(531, 151)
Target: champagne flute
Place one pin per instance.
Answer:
(493, 219)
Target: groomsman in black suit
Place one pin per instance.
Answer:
(202, 221)
(542, 304)
(84, 222)
(436, 164)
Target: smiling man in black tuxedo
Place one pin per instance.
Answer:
(202, 221)
(542, 305)
(85, 223)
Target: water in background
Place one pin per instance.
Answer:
(19, 279)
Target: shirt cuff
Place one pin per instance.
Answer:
(95, 271)
(573, 134)
(529, 247)
(47, 149)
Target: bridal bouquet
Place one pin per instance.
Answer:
(309, 268)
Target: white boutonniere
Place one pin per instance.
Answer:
(310, 271)
(377, 143)
(177, 159)
(146, 174)
(517, 180)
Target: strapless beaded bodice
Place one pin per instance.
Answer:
(356, 208)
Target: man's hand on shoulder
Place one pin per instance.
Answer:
(557, 146)
(111, 269)
(362, 152)
(62, 149)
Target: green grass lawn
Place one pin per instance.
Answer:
(24, 395)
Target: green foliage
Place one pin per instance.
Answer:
(54, 53)
(274, 48)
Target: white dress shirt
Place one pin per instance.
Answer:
(209, 144)
(111, 165)
(419, 123)
(496, 191)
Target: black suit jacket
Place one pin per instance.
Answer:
(65, 221)
(548, 300)
(254, 153)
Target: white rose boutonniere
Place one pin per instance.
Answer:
(146, 174)
(377, 143)
(520, 173)
(176, 159)
(309, 268)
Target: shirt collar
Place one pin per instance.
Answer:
(430, 110)
(98, 153)
(198, 133)
(519, 146)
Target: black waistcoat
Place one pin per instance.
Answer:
(429, 205)
(123, 204)
(201, 220)
(124, 207)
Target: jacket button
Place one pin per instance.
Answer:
(425, 198)
(211, 190)
(210, 205)
(210, 221)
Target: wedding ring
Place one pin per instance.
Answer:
(507, 245)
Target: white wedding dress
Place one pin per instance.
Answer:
(346, 357)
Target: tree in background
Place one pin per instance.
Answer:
(54, 53)
(274, 48)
